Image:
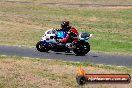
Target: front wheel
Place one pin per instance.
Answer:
(42, 47)
(82, 48)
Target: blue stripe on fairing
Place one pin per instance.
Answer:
(61, 34)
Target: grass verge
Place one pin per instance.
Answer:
(23, 72)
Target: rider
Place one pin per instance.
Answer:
(71, 34)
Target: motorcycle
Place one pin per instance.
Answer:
(49, 41)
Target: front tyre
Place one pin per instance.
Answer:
(82, 48)
(42, 47)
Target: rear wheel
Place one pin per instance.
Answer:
(42, 47)
(82, 48)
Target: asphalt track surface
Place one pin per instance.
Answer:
(96, 58)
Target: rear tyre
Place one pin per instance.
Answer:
(82, 48)
(42, 47)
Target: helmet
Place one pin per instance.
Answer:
(65, 24)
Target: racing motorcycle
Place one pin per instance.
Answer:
(49, 41)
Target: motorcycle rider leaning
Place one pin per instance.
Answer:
(71, 34)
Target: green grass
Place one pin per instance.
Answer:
(24, 23)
